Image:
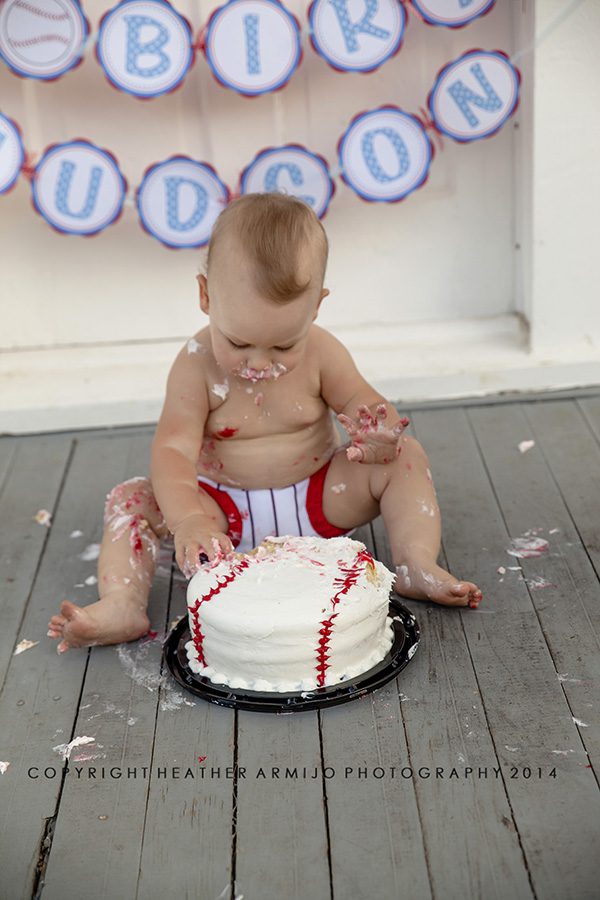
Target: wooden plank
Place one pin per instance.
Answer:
(42, 695)
(506, 398)
(564, 588)
(444, 720)
(8, 449)
(31, 475)
(187, 842)
(523, 702)
(375, 838)
(147, 729)
(590, 409)
(280, 806)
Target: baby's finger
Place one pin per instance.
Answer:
(381, 412)
(192, 557)
(400, 426)
(221, 547)
(354, 453)
(347, 424)
(226, 545)
(366, 417)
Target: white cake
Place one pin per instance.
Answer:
(295, 614)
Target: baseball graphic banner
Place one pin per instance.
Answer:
(42, 38)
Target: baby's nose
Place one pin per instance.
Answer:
(259, 361)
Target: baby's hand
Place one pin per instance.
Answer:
(192, 538)
(372, 440)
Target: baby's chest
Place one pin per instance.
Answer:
(256, 410)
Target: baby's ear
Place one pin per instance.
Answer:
(324, 293)
(203, 287)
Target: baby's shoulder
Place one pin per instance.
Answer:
(325, 347)
(194, 364)
(196, 354)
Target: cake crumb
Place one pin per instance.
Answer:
(24, 645)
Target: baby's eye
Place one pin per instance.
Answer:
(283, 349)
(239, 346)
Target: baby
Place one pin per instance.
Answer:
(246, 445)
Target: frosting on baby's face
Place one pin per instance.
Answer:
(254, 338)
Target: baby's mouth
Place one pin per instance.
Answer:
(272, 372)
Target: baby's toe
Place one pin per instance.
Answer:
(460, 589)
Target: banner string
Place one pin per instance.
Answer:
(199, 44)
(429, 125)
(545, 33)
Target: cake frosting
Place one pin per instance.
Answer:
(294, 614)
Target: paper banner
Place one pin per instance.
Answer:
(253, 46)
(356, 37)
(385, 154)
(474, 96)
(291, 169)
(179, 200)
(452, 13)
(78, 188)
(42, 38)
(12, 153)
(145, 47)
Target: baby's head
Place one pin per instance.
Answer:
(264, 283)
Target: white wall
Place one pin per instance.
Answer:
(565, 295)
(410, 261)
(424, 292)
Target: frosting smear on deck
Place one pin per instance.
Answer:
(295, 614)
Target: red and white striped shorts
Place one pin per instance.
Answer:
(254, 515)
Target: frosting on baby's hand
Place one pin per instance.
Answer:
(372, 440)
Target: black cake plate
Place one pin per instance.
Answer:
(404, 646)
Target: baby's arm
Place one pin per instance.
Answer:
(371, 421)
(175, 450)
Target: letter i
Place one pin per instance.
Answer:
(252, 54)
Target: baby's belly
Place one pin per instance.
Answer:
(269, 461)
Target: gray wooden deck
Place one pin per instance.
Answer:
(503, 702)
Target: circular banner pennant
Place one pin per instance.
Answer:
(385, 154)
(78, 188)
(179, 200)
(452, 13)
(291, 169)
(12, 153)
(145, 47)
(356, 38)
(253, 46)
(42, 38)
(474, 96)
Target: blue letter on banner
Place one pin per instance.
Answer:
(65, 176)
(252, 54)
(371, 160)
(349, 30)
(295, 174)
(135, 48)
(462, 96)
(172, 185)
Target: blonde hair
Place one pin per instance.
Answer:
(272, 228)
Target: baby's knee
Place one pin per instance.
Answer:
(135, 497)
(412, 451)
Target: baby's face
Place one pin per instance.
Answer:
(254, 338)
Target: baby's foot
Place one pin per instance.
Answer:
(111, 620)
(422, 580)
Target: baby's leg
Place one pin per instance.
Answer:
(403, 492)
(133, 529)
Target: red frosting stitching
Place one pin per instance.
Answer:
(349, 578)
(198, 637)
